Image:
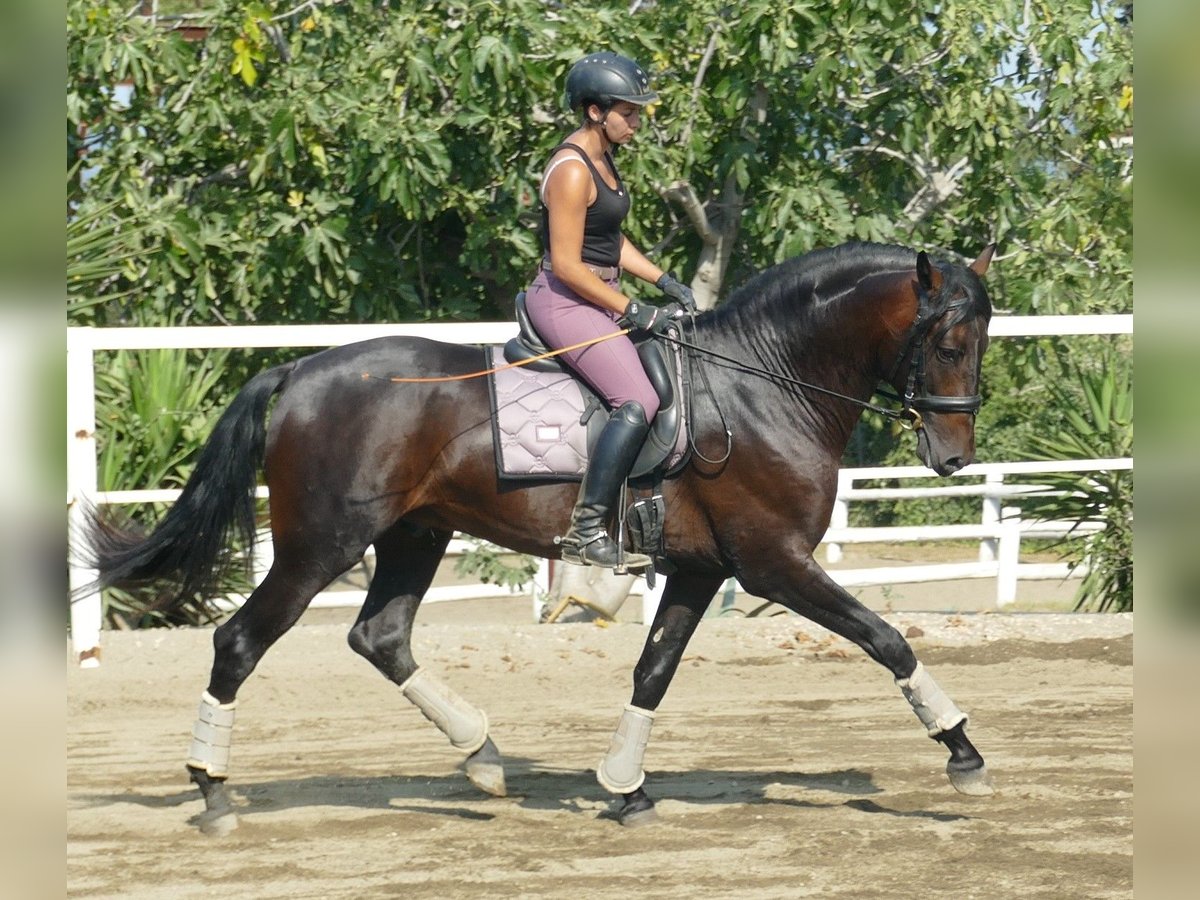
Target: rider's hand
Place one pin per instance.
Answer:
(650, 318)
(677, 291)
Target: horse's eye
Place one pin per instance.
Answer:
(949, 354)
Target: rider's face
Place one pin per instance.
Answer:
(622, 122)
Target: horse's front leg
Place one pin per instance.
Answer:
(684, 601)
(809, 591)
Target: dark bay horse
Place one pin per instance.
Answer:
(353, 460)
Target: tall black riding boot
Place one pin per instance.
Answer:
(587, 543)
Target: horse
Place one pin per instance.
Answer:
(353, 459)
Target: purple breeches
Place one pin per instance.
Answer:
(611, 367)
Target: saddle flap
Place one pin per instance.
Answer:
(666, 444)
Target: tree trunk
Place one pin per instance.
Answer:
(719, 231)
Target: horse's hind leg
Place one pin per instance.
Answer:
(406, 561)
(239, 643)
(827, 603)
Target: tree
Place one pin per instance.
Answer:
(361, 160)
(800, 127)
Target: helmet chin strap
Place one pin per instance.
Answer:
(602, 125)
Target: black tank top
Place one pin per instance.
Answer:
(602, 226)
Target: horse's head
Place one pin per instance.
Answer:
(938, 367)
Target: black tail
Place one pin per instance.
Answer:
(189, 546)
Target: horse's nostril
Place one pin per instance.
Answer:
(954, 463)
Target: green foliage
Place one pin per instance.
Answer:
(154, 408)
(101, 248)
(370, 161)
(1098, 411)
(495, 565)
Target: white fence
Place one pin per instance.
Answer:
(999, 532)
(82, 344)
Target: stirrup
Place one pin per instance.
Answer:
(574, 550)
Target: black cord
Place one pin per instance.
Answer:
(765, 373)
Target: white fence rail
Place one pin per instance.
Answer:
(1000, 530)
(83, 343)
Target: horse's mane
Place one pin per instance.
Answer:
(787, 295)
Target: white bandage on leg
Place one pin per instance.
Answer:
(936, 711)
(466, 726)
(621, 771)
(211, 736)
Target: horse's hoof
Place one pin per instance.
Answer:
(485, 769)
(218, 823)
(637, 811)
(974, 782)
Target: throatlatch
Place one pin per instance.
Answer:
(936, 711)
(462, 723)
(621, 770)
(212, 736)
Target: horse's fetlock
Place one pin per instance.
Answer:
(462, 723)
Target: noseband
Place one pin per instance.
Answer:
(915, 400)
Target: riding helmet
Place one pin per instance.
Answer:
(606, 78)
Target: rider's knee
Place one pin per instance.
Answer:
(646, 406)
(634, 413)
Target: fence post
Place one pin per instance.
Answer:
(840, 517)
(1009, 557)
(540, 587)
(86, 610)
(988, 547)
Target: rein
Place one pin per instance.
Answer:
(912, 402)
(899, 415)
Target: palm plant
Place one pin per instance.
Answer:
(103, 248)
(153, 410)
(1098, 423)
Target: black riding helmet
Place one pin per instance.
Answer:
(606, 78)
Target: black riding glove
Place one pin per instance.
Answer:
(650, 318)
(677, 291)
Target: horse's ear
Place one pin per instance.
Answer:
(980, 266)
(927, 275)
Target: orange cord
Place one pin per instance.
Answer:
(604, 337)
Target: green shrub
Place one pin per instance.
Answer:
(1098, 423)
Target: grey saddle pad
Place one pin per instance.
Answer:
(540, 425)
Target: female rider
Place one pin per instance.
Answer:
(575, 296)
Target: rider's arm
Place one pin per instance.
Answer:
(635, 262)
(567, 193)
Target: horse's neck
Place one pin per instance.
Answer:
(822, 353)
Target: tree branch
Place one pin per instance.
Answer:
(684, 195)
(307, 4)
(705, 62)
(940, 187)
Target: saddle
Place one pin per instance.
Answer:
(546, 419)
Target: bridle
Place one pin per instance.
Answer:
(914, 400)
